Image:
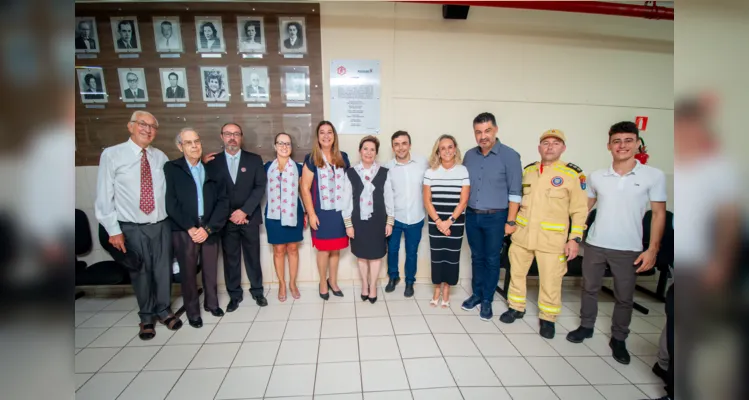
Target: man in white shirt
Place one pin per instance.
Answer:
(406, 179)
(130, 204)
(623, 192)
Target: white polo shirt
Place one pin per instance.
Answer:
(622, 202)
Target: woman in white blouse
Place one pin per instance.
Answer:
(368, 214)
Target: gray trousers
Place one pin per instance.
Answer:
(623, 270)
(153, 282)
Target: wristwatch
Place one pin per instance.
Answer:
(452, 219)
(207, 230)
(578, 240)
(511, 223)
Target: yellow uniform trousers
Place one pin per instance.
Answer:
(551, 270)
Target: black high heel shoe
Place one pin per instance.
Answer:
(325, 296)
(364, 297)
(338, 293)
(373, 299)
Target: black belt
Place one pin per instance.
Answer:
(137, 224)
(475, 211)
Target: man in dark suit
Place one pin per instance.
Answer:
(245, 179)
(198, 207)
(84, 41)
(174, 91)
(133, 92)
(127, 39)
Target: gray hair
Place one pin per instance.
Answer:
(178, 139)
(136, 114)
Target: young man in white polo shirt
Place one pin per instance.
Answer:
(622, 193)
(406, 173)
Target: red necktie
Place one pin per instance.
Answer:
(146, 185)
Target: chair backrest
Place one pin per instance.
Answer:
(83, 242)
(665, 255)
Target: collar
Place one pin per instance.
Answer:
(611, 171)
(233, 156)
(199, 165)
(410, 160)
(137, 149)
(494, 149)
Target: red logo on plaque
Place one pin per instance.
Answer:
(341, 70)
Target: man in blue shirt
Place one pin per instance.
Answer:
(496, 191)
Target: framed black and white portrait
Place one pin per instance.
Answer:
(167, 32)
(133, 85)
(125, 34)
(215, 83)
(91, 85)
(86, 35)
(255, 84)
(210, 35)
(174, 85)
(292, 35)
(251, 32)
(295, 85)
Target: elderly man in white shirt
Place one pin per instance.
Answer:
(130, 204)
(406, 179)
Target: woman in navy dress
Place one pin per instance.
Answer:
(323, 179)
(284, 214)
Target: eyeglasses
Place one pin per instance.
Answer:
(232, 134)
(283, 144)
(144, 125)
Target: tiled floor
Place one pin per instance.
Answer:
(347, 349)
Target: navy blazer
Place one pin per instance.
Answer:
(247, 193)
(182, 199)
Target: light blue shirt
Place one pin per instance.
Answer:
(233, 159)
(198, 175)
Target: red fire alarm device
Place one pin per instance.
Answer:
(642, 123)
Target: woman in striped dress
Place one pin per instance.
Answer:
(446, 189)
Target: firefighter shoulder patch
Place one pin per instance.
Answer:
(581, 175)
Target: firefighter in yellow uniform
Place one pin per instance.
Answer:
(550, 226)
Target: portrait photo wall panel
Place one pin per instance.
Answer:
(264, 116)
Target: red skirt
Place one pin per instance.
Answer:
(329, 244)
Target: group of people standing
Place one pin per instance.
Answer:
(154, 208)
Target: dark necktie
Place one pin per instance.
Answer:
(146, 185)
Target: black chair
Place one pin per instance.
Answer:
(574, 267)
(98, 274)
(665, 258)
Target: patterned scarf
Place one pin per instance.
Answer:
(366, 204)
(282, 193)
(330, 185)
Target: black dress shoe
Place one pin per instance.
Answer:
(619, 351)
(338, 293)
(260, 300)
(547, 329)
(233, 305)
(660, 372)
(511, 315)
(580, 334)
(218, 312)
(391, 285)
(373, 299)
(195, 323)
(409, 292)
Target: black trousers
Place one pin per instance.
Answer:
(187, 253)
(152, 283)
(235, 240)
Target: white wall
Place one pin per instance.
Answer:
(533, 70)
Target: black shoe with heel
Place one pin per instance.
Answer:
(364, 297)
(338, 293)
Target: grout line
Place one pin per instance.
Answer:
(191, 359)
(280, 343)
